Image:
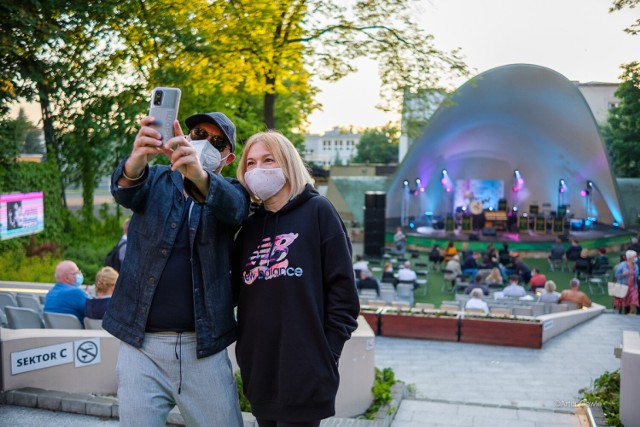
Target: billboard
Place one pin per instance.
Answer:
(21, 214)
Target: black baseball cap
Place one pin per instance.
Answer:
(218, 119)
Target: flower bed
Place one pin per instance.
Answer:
(425, 325)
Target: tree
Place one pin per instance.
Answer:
(622, 130)
(621, 4)
(379, 145)
(13, 133)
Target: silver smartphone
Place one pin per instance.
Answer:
(164, 108)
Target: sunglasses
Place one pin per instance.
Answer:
(220, 142)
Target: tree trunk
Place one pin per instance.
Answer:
(51, 143)
(88, 177)
(270, 104)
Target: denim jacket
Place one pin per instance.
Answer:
(157, 203)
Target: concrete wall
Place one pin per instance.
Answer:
(356, 365)
(557, 323)
(630, 379)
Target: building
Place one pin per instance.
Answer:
(335, 147)
(600, 97)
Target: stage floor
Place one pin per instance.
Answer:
(597, 236)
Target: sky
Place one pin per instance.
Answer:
(577, 38)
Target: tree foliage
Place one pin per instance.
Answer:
(631, 4)
(622, 130)
(378, 145)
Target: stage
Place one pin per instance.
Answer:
(593, 237)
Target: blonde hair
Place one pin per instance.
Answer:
(287, 157)
(550, 286)
(495, 274)
(106, 279)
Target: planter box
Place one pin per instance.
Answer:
(501, 332)
(373, 319)
(443, 328)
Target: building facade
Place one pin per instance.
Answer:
(335, 147)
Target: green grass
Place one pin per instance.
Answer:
(561, 278)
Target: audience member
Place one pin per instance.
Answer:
(538, 280)
(575, 295)
(557, 253)
(436, 257)
(626, 273)
(367, 281)
(105, 283)
(514, 289)
(573, 253)
(450, 252)
(582, 264)
(490, 253)
(476, 302)
(388, 276)
(494, 277)
(477, 284)
(634, 246)
(504, 256)
(400, 241)
(66, 296)
(406, 274)
(601, 262)
(522, 269)
(360, 264)
(465, 252)
(469, 266)
(453, 269)
(549, 294)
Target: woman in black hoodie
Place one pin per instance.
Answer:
(293, 277)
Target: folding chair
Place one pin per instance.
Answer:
(23, 318)
(7, 298)
(29, 301)
(92, 323)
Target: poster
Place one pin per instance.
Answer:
(21, 214)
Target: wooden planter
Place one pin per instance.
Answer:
(501, 332)
(404, 325)
(372, 319)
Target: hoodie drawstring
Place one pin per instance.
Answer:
(176, 349)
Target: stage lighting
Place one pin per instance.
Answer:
(562, 186)
(589, 184)
(584, 193)
(418, 182)
(405, 183)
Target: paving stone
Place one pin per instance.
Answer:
(27, 396)
(100, 406)
(49, 399)
(75, 403)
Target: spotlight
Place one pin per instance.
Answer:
(405, 183)
(584, 193)
(589, 184)
(418, 182)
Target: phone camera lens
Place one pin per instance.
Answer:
(157, 99)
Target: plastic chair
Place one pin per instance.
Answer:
(387, 295)
(92, 323)
(7, 298)
(405, 293)
(61, 321)
(23, 318)
(29, 301)
(559, 308)
(522, 311)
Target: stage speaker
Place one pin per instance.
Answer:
(489, 231)
(474, 237)
(502, 204)
(374, 223)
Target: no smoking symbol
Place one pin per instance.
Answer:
(87, 352)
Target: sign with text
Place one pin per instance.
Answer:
(21, 214)
(83, 352)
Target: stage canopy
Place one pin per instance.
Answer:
(521, 133)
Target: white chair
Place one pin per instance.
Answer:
(92, 323)
(61, 321)
(23, 318)
(7, 298)
(559, 308)
(387, 295)
(405, 293)
(522, 311)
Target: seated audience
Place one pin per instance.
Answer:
(514, 289)
(494, 277)
(573, 253)
(436, 257)
(367, 281)
(504, 256)
(557, 253)
(601, 262)
(105, 283)
(388, 276)
(582, 264)
(522, 269)
(360, 263)
(66, 296)
(450, 252)
(476, 302)
(477, 284)
(575, 295)
(406, 274)
(469, 266)
(465, 252)
(634, 246)
(537, 281)
(453, 269)
(549, 294)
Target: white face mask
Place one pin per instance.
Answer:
(209, 156)
(265, 183)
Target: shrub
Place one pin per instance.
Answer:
(606, 393)
(245, 406)
(381, 390)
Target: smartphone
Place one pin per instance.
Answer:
(164, 108)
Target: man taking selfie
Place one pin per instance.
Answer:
(172, 307)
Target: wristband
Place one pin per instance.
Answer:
(132, 179)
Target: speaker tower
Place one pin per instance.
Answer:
(375, 203)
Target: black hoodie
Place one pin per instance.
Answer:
(297, 305)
